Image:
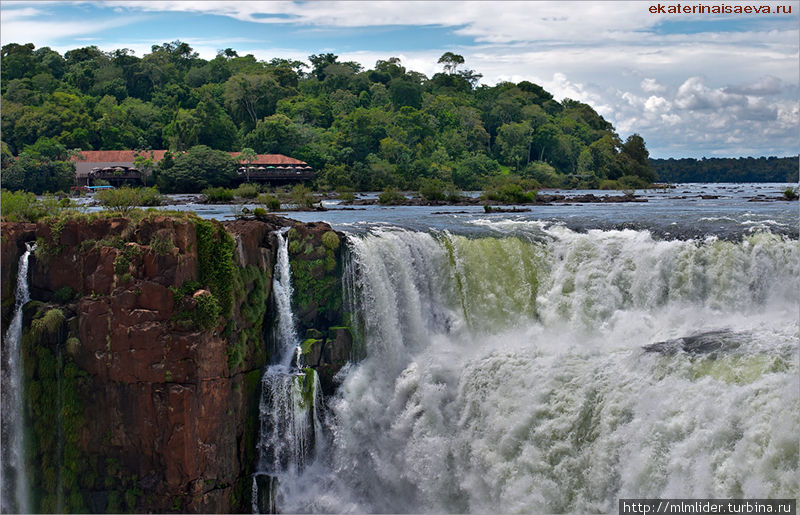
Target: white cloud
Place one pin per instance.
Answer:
(26, 24)
(652, 86)
(765, 86)
(655, 104)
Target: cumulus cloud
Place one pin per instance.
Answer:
(695, 95)
(651, 86)
(765, 86)
(697, 119)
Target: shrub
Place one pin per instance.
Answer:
(50, 322)
(259, 212)
(432, 189)
(347, 198)
(609, 184)
(215, 253)
(628, 182)
(790, 193)
(246, 190)
(271, 201)
(73, 345)
(330, 240)
(302, 197)
(149, 197)
(346, 194)
(21, 206)
(124, 199)
(161, 244)
(208, 311)
(218, 195)
(510, 193)
(453, 193)
(390, 196)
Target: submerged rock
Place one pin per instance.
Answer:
(702, 343)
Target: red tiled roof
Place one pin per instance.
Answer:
(127, 156)
(271, 159)
(117, 156)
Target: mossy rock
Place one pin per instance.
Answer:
(315, 260)
(312, 349)
(54, 389)
(314, 333)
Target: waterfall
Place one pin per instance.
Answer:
(15, 485)
(286, 335)
(289, 426)
(520, 374)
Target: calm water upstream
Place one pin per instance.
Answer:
(673, 213)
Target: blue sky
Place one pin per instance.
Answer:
(691, 85)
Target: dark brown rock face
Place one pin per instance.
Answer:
(165, 375)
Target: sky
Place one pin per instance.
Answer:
(692, 85)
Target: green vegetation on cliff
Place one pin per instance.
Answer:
(54, 406)
(361, 129)
(215, 262)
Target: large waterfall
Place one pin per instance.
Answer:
(15, 486)
(288, 421)
(557, 371)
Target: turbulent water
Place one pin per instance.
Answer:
(557, 371)
(15, 485)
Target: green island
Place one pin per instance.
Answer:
(386, 128)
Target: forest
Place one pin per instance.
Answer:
(743, 169)
(359, 129)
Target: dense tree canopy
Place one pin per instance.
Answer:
(715, 169)
(387, 126)
(199, 168)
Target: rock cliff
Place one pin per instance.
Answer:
(143, 348)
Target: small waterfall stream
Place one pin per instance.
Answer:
(289, 400)
(15, 485)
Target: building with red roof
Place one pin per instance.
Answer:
(117, 167)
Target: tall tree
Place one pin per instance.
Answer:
(319, 62)
(450, 61)
(248, 156)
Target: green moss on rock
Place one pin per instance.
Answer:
(54, 388)
(215, 256)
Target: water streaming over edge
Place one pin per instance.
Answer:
(289, 427)
(510, 373)
(12, 405)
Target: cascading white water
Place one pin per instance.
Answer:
(511, 375)
(15, 485)
(289, 425)
(286, 332)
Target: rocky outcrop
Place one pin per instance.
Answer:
(143, 348)
(316, 259)
(327, 353)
